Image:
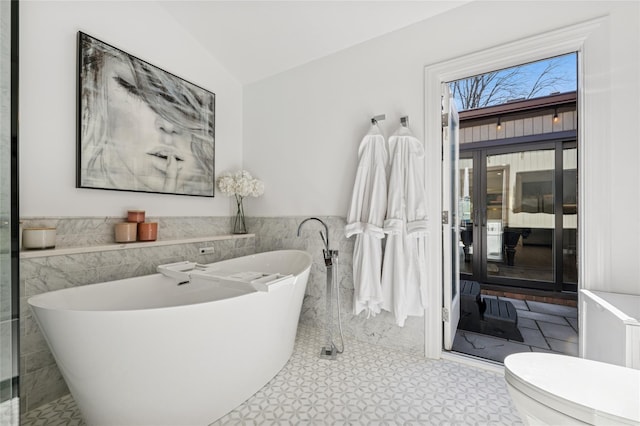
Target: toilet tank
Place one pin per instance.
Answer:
(611, 327)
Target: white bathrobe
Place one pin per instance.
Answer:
(365, 219)
(405, 265)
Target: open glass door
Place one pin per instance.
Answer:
(451, 218)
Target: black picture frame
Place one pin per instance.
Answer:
(140, 128)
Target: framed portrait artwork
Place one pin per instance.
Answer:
(141, 128)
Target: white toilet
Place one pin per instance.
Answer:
(552, 389)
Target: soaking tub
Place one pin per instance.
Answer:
(164, 350)
(611, 324)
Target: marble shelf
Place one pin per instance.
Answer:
(31, 254)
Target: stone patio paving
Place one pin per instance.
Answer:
(545, 327)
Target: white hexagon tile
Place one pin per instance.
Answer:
(366, 385)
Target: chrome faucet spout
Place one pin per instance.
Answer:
(325, 236)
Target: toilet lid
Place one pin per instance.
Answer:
(584, 389)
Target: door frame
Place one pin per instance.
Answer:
(553, 43)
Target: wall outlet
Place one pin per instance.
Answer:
(207, 250)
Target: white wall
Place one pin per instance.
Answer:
(302, 127)
(48, 31)
(617, 174)
(300, 130)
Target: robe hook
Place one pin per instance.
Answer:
(376, 118)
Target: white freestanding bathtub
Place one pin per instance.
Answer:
(147, 351)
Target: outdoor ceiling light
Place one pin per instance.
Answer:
(499, 126)
(555, 116)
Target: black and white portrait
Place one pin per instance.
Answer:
(141, 128)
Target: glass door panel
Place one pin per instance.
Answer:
(465, 211)
(519, 223)
(570, 216)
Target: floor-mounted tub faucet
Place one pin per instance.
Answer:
(325, 236)
(329, 351)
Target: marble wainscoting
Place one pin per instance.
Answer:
(273, 233)
(40, 379)
(96, 231)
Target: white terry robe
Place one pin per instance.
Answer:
(365, 219)
(405, 265)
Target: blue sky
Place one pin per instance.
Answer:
(565, 68)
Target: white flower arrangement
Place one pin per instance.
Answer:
(241, 184)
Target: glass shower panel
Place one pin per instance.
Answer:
(519, 224)
(8, 321)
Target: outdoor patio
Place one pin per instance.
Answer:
(545, 327)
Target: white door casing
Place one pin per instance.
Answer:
(590, 41)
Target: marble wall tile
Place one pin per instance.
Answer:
(179, 227)
(281, 233)
(94, 231)
(37, 360)
(42, 386)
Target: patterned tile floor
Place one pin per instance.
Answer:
(545, 327)
(366, 385)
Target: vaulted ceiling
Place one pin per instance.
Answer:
(256, 39)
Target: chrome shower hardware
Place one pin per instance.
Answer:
(329, 351)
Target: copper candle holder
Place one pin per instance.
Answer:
(147, 231)
(135, 216)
